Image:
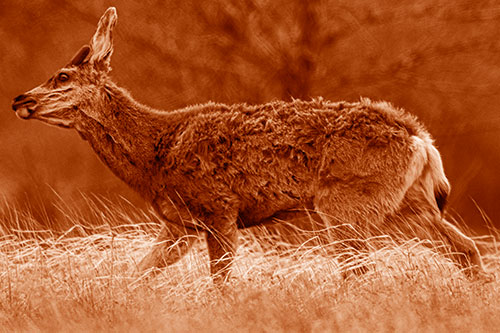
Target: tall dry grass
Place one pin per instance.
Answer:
(84, 279)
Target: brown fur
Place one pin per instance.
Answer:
(214, 168)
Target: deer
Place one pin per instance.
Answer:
(213, 168)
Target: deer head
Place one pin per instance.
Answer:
(62, 100)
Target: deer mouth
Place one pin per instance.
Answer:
(24, 108)
(24, 113)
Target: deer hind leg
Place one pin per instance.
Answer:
(352, 256)
(291, 227)
(354, 212)
(171, 245)
(221, 243)
(350, 244)
(420, 218)
(468, 254)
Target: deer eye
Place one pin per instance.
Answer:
(62, 77)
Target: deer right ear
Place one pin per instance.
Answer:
(102, 43)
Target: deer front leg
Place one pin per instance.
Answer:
(172, 244)
(222, 242)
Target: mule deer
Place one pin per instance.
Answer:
(214, 168)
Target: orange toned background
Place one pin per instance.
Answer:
(438, 59)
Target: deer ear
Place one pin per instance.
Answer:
(80, 57)
(102, 43)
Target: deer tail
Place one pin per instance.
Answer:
(441, 185)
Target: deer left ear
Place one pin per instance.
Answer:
(80, 57)
(101, 44)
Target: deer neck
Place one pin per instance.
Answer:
(125, 139)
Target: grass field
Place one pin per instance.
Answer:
(84, 280)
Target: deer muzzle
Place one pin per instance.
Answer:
(24, 106)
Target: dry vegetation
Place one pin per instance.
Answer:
(435, 58)
(83, 280)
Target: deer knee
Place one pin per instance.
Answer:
(171, 245)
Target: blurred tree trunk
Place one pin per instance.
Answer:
(299, 62)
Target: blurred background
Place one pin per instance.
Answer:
(438, 59)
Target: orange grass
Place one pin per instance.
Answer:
(85, 280)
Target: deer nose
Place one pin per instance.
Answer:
(23, 100)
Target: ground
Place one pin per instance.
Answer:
(85, 280)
